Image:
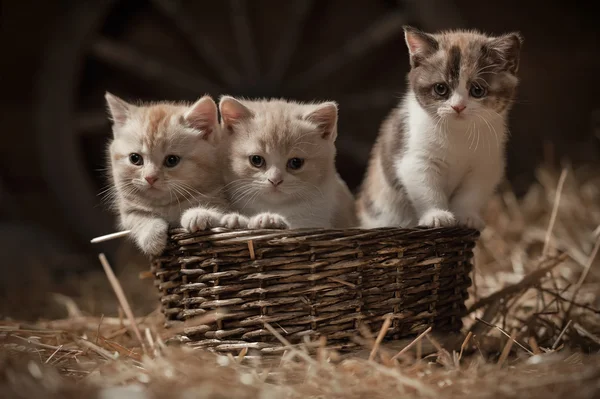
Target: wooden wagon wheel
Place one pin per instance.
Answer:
(349, 51)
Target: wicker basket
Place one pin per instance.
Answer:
(313, 283)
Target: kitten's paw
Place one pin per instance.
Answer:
(470, 220)
(152, 238)
(268, 220)
(197, 219)
(437, 218)
(234, 221)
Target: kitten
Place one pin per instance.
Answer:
(163, 161)
(282, 164)
(440, 154)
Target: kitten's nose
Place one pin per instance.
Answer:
(459, 108)
(151, 179)
(276, 182)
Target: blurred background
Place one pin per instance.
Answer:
(60, 57)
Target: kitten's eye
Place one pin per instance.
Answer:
(477, 91)
(440, 89)
(257, 161)
(171, 160)
(136, 159)
(295, 163)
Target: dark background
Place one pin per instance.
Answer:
(58, 58)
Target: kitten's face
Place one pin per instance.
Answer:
(279, 152)
(465, 76)
(163, 152)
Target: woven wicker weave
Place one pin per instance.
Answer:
(314, 283)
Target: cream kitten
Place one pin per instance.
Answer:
(282, 164)
(163, 160)
(440, 154)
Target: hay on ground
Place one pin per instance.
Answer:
(533, 329)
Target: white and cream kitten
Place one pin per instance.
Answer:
(163, 160)
(281, 168)
(440, 154)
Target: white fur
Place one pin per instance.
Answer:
(450, 167)
(454, 165)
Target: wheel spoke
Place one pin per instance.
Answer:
(375, 35)
(289, 41)
(129, 59)
(244, 39)
(172, 9)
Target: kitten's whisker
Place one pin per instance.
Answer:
(303, 135)
(251, 199)
(297, 143)
(106, 189)
(115, 187)
(320, 193)
(238, 181)
(244, 197)
(181, 191)
(469, 132)
(486, 67)
(176, 198)
(439, 124)
(481, 81)
(188, 188)
(309, 198)
(247, 192)
(179, 204)
(493, 114)
(185, 192)
(491, 129)
(133, 190)
(445, 127)
(111, 194)
(170, 196)
(241, 191)
(300, 195)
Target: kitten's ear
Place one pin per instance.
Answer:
(233, 111)
(118, 108)
(203, 116)
(325, 116)
(420, 44)
(507, 49)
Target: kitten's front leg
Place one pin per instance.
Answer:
(424, 185)
(149, 232)
(470, 198)
(200, 218)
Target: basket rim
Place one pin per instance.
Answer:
(236, 236)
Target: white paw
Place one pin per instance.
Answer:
(234, 221)
(437, 218)
(268, 220)
(152, 238)
(470, 220)
(197, 219)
